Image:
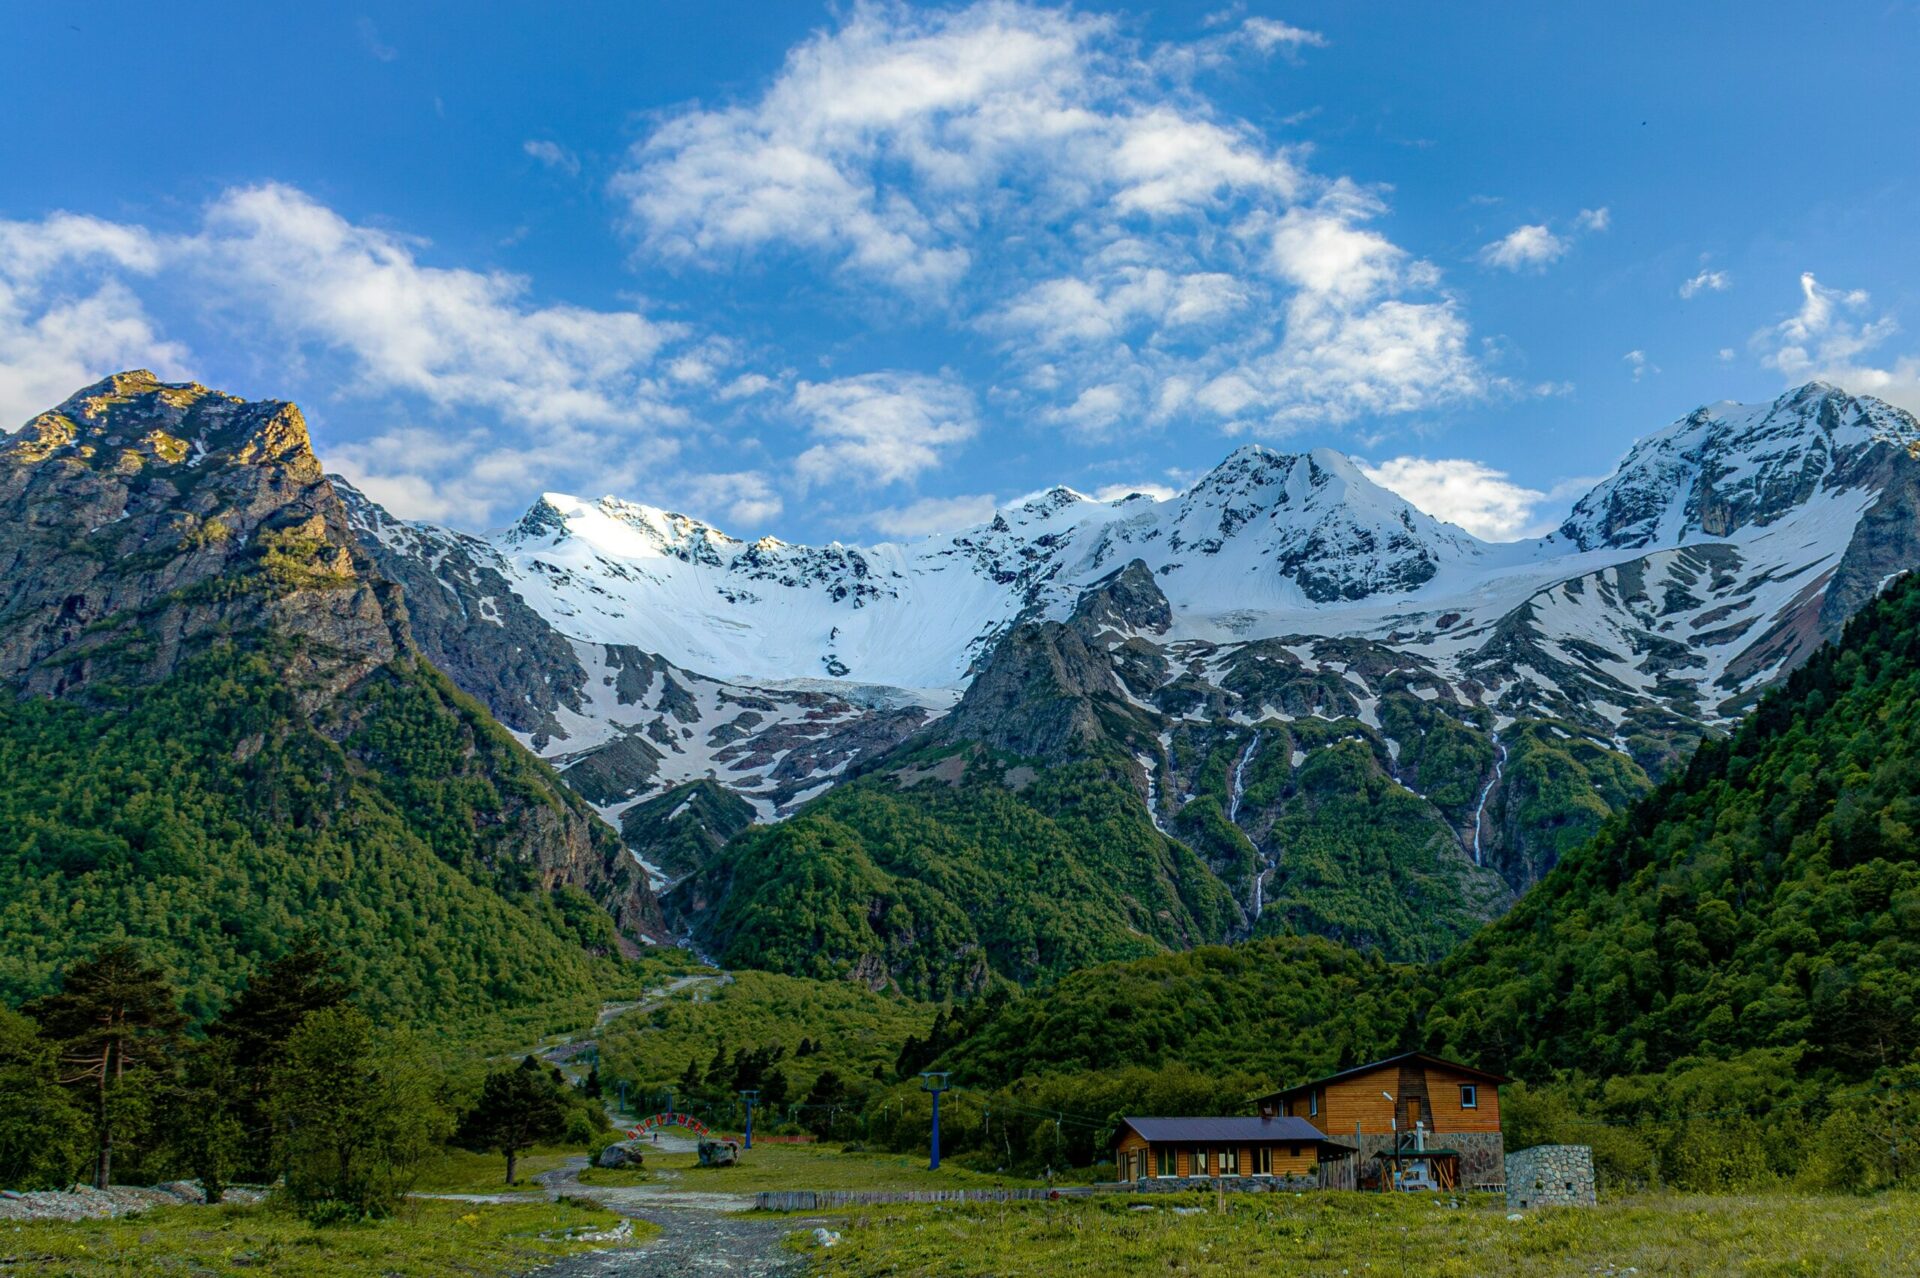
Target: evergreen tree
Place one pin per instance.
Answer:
(719, 1075)
(773, 1090)
(114, 1020)
(208, 1114)
(590, 1086)
(820, 1111)
(43, 1133)
(691, 1082)
(517, 1109)
(257, 1024)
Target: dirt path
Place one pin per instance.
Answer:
(700, 1233)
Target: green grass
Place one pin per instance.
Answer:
(427, 1240)
(1765, 1236)
(856, 1029)
(617, 1177)
(458, 1171)
(767, 1167)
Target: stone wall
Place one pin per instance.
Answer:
(1550, 1176)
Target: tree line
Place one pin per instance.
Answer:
(291, 1085)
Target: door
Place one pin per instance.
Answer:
(1413, 1112)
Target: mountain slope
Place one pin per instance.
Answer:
(222, 732)
(1767, 896)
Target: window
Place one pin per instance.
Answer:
(1163, 1161)
(1227, 1161)
(1263, 1161)
(1313, 1104)
(1469, 1096)
(1199, 1162)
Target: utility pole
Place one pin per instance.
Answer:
(750, 1095)
(623, 1097)
(934, 1083)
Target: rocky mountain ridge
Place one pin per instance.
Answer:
(145, 525)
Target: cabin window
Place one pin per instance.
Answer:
(1228, 1162)
(1263, 1161)
(1469, 1096)
(1199, 1162)
(1313, 1104)
(1164, 1161)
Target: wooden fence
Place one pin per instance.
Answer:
(821, 1199)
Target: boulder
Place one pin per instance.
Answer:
(625, 1153)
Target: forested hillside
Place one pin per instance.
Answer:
(1767, 896)
(216, 733)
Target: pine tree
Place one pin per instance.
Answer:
(113, 1017)
(591, 1085)
(517, 1109)
(692, 1080)
(258, 1023)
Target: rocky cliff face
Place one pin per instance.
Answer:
(144, 523)
(141, 520)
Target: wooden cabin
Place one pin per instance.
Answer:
(1390, 1108)
(1179, 1148)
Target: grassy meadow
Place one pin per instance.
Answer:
(1416, 1236)
(425, 1240)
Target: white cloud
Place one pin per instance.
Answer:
(1825, 338)
(1639, 365)
(459, 338)
(1525, 248)
(747, 498)
(1706, 282)
(881, 427)
(1480, 499)
(1599, 219)
(1270, 33)
(932, 515)
(1114, 492)
(67, 315)
(371, 41)
(553, 155)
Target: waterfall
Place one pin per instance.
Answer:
(1479, 810)
(1236, 788)
(1239, 784)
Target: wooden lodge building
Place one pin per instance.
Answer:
(1185, 1149)
(1411, 1104)
(1411, 1121)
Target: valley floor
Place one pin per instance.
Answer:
(1758, 1236)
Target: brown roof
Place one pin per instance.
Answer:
(1425, 1057)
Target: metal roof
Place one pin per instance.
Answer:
(1428, 1057)
(1203, 1130)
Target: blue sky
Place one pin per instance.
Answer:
(859, 271)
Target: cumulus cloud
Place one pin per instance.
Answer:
(1706, 282)
(1638, 364)
(1480, 499)
(1826, 337)
(880, 427)
(1594, 219)
(459, 338)
(67, 316)
(746, 498)
(1039, 175)
(1525, 248)
(931, 515)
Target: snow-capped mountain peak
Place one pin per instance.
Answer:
(1727, 466)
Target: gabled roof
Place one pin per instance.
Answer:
(1425, 1057)
(1203, 1130)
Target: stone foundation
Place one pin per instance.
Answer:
(1232, 1184)
(1550, 1176)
